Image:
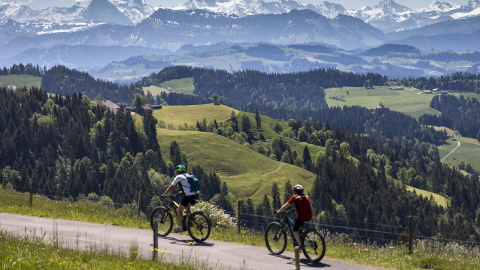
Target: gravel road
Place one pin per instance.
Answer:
(175, 247)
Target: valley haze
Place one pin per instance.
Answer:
(437, 39)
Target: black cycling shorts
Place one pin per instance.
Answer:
(189, 200)
(298, 224)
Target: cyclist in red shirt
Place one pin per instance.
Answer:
(304, 211)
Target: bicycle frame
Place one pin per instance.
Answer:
(174, 205)
(288, 222)
(276, 238)
(197, 224)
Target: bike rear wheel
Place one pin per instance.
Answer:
(314, 245)
(275, 238)
(164, 218)
(199, 226)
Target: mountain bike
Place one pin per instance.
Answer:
(197, 224)
(276, 238)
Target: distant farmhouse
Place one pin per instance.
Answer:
(115, 107)
(435, 91)
(11, 87)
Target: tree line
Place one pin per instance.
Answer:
(362, 180)
(69, 147)
(62, 80)
(461, 114)
(458, 81)
(297, 91)
(21, 69)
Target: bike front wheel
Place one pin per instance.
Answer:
(314, 245)
(275, 238)
(199, 226)
(164, 218)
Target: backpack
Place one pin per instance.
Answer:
(195, 184)
(303, 207)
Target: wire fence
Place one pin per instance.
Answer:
(360, 231)
(350, 230)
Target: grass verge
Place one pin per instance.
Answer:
(21, 253)
(35, 253)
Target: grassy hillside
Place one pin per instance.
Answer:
(468, 151)
(237, 165)
(439, 199)
(179, 115)
(247, 173)
(182, 85)
(408, 101)
(20, 80)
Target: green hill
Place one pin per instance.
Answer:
(247, 173)
(179, 115)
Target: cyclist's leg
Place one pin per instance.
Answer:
(191, 201)
(184, 205)
(180, 209)
(296, 232)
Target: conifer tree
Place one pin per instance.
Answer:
(276, 204)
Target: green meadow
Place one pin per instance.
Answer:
(439, 199)
(181, 85)
(179, 115)
(408, 101)
(20, 80)
(468, 151)
(247, 173)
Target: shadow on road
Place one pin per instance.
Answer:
(303, 261)
(187, 242)
(314, 264)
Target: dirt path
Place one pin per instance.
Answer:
(458, 145)
(176, 247)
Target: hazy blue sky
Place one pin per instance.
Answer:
(348, 4)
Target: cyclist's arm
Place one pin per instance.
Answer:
(169, 189)
(285, 206)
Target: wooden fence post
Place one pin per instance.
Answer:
(297, 258)
(239, 215)
(410, 235)
(155, 240)
(31, 192)
(139, 201)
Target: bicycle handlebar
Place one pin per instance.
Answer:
(285, 212)
(173, 195)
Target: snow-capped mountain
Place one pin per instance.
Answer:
(114, 12)
(386, 10)
(244, 8)
(387, 15)
(135, 10)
